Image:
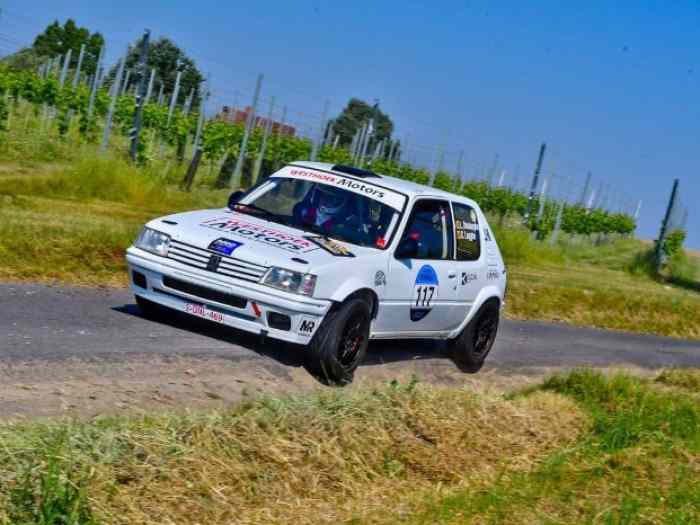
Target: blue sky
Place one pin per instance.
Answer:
(613, 88)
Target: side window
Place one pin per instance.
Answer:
(428, 234)
(467, 232)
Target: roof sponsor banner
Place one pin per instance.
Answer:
(391, 198)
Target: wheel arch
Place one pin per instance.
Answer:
(488, 293)
(367, 294)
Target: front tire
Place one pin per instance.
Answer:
(470, 348)
(340, 344)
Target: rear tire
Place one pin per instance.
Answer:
(340, 344)
(471, 347)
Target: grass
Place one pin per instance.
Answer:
(639, 462)
(583, 447)
(600, 286)
(330, 457)
(73, 223)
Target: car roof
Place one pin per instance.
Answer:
(410, 188)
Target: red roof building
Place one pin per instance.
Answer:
(239, 116)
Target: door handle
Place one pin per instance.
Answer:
(451, 275)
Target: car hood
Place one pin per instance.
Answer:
(256, 240)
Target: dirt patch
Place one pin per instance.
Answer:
(137, 383)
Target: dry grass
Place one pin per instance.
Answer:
(638, 463)
(326, 458)
(688, 379)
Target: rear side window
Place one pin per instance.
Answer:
(430, 227)
(467, 232)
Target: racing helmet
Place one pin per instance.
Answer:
(330, 199)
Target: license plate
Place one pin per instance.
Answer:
(202, 311)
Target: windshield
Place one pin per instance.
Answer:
(323, 209)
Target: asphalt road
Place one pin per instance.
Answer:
(39, 322)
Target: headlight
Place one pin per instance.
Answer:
(290, 281)
(153, 241)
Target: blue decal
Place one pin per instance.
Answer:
(425, 289)
(224, 246)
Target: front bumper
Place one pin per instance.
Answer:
(305, 313)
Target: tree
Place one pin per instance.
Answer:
(167, 59)
(57, 40)
(357, 113)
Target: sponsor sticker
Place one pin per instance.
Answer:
(379, 278)
(468, 277)
(467, 231)
(383, 195)
(331, 246)
(487, 234)
(202, 311)
(425, 291)
(256, 232)
(307, 326)
(492, 275)
(224, 246)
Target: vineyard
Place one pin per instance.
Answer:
(74, 115)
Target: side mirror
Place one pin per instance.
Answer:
(407, 249)
(234, 198)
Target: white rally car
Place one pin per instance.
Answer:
(330, 257)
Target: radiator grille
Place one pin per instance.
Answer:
(228, 266)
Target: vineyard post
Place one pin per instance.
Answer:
(353, 145)
(638, 209)
(280, 131)
(358, 144)
(664, 226)
(198, 149)
(81, 55)
(188, 103)
(64, 71)
(250, 123)
(140, 96)
(330, 134)
(459, 168)
(586, 187)
(501, 179)
(318, 143)
(149, 91)
(336, 141)
(126, 82)
(161, 94)
(543, 197)
(95, 83)
(263, 145)
(113, 104)
(365, 143)
(535, 182)
(560, 215)
(171, 108)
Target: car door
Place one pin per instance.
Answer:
(422, 281)
(470, 261)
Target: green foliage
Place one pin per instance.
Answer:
(627, 412)
(167, 59)
(673, 242)
(357, 113)
(50, 494)
(57, 40)
(221, 140)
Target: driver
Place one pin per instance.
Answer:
(326, 208)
